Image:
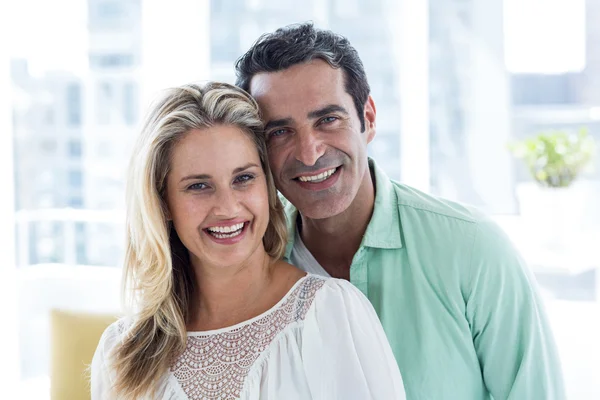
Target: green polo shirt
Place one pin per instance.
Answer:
(458, 304)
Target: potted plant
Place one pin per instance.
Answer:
(556, 159)
(555, 201)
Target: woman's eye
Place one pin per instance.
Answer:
(197, 186)
(245, 178)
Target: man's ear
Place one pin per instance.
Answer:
(370, 114)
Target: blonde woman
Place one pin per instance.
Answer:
(215, 312)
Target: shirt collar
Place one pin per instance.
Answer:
(383, 231)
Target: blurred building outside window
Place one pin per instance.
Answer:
(454, 82)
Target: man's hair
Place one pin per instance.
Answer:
(301, 43)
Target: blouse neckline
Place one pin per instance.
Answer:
(253, 319)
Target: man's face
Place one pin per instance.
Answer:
(317, 151)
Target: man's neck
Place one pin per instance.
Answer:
(334, 241)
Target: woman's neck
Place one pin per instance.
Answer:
(226, 296)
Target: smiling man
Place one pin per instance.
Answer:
(459, 306)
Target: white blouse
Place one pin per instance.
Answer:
(322, 341)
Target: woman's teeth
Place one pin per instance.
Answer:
(225, 232)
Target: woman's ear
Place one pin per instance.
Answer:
(167, 212)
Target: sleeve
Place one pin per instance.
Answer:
(345, 350)
(101, 381)
(509, 326)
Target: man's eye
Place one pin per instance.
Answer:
(327, 120)
(277, 132)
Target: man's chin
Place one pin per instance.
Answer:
(321, 209)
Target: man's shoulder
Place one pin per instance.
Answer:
(453, 221)
(412, 201)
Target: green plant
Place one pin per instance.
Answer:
(556, 158)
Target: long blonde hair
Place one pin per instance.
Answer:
(158, 281)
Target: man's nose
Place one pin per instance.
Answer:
(309, 147)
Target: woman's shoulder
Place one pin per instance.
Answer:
(310, 284)
(331, 286)
(336, 299)
(317, 291)
(114, 333)
(314, 283)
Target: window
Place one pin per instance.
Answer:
(545, 89)
(110, 61)
(81, 243)
(75, 148)
(74, 104)
(105, 103)
(75, 179)
(130, 103)
(110, 15)
(110, 10)
(76, 202)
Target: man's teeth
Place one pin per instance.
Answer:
(224, 232)
(317, 178)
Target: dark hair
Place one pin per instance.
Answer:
(300, 43)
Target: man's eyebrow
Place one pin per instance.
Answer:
(277, 123)
(327, 110)
(313, 115)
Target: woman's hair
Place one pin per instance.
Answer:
(158, 279)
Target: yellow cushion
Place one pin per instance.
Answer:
(74, 338)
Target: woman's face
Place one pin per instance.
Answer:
(217, 196)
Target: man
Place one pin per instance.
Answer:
(458, 304)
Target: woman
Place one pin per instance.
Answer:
(216, 313)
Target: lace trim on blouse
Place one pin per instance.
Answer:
(215, 365)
